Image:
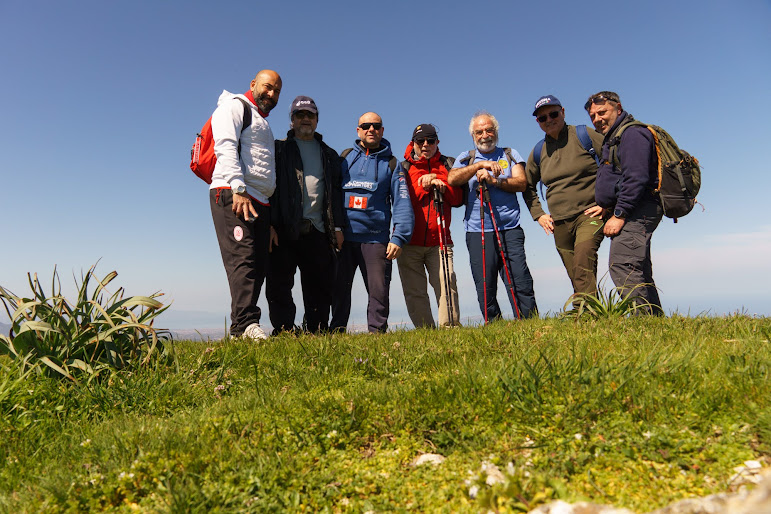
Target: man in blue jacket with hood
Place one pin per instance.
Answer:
(625, 188)
(373, 183)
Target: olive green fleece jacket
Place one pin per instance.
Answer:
(568, 171)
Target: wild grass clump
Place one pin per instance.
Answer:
(84, 338)
(607, 302)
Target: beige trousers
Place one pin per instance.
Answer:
(413, 264)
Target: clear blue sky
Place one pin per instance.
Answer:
(101, 102)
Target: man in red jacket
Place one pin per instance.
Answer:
(430, 248)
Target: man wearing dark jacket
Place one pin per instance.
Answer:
(306, 221)
(625, 187)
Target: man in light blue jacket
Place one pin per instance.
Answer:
(374, 192)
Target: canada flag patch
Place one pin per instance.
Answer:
(357, 202)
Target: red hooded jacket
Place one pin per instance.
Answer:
(426, 230)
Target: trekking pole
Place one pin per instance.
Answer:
(484, 270)
(486, 195)
(445, 259)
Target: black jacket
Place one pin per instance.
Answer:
(286, 207)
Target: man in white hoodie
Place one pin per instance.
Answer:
(244, 178)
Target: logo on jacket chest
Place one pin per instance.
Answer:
(360, 184)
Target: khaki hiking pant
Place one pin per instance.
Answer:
(413, 264)
(577, 240)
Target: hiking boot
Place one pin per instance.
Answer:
(255, 332)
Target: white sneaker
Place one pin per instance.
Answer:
(254, 331)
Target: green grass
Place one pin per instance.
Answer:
(638, 412)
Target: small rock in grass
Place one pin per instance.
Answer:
(428, 458)
(561, 507)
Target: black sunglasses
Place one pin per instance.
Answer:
(429, 140)
(553, 115)
(304, 114)
(366, 126)
(599, 99)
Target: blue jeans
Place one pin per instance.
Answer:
(630, 257)
(513, 242)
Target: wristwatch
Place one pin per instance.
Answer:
(619, 213)
(239, 189)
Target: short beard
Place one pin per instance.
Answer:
(492, 144)
(265, 104)
(302, 131)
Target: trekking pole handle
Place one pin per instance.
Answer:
(438, 197)
(486, 191)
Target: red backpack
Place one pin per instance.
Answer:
(202, 157)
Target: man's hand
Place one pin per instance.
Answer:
(547, 223)
(426, 180)
(441, 186)
(340, 238)
(595, 211)
(242, 206)
(493, 166)
(273, 239)
(613, 226)
(393, 251)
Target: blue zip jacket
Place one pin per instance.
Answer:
(625, 188)
(370, 190)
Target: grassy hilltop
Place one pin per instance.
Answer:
(637, 412)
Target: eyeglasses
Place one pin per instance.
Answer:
(304, 114)
(601, 99)
(366, 126)
(553, 115)
(479, 132)
(429, 140)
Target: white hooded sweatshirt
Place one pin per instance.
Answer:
(257, 166)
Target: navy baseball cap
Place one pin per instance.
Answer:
(303, 103)
(546, 100)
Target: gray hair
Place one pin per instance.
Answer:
(483, 114)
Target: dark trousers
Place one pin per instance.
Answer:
(630, 257)
(244, 249)
(370, 258)
(513, 242)
(312, 254)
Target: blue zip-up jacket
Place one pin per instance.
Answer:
(625, 188)
(370, 191)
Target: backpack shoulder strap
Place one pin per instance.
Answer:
(537, 149)
(345, 153)
(469, 160)
(406, 165)
(509, 156)
(246, 121)
(616, 139)
(448, 162)
(586, 142)
(392, 162)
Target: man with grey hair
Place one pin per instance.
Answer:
(306, 221)
(502, 173)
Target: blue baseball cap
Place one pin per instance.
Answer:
(546, 100)
(303, 103)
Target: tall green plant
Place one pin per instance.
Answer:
(84, 338)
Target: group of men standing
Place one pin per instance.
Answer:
(280, 205)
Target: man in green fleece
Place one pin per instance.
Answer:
(565, 162)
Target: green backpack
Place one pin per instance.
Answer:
(679, 172)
